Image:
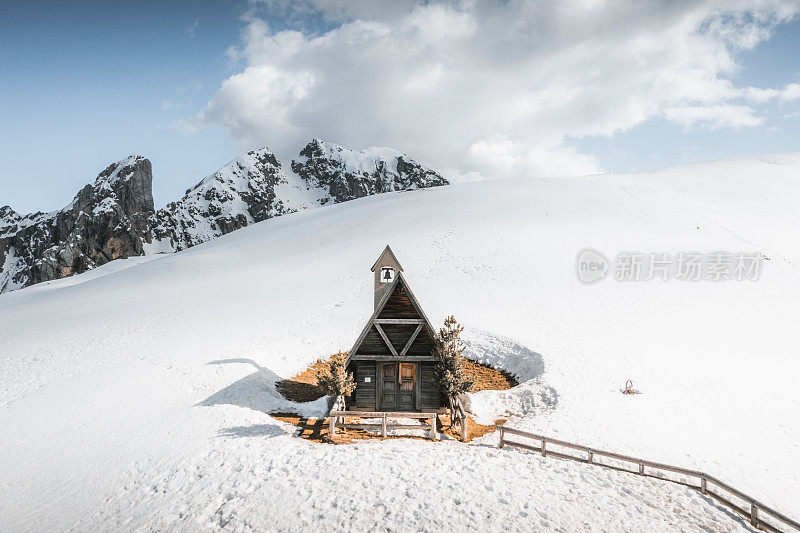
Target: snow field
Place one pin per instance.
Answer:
(267, 479)
(138, 398)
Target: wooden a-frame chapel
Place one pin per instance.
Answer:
(392, 360)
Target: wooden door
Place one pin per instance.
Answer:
(408, 386)
(389, 386)
(398, 386)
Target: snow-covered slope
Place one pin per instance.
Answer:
(139, 399)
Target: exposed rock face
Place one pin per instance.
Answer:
(115, 218)
(346, 174)
(105, 221)
(251, 188)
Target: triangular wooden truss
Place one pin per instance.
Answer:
(379, 323)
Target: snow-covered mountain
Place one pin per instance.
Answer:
(106, 220)
(346, 174)
(137, 396)
(114, 217)
(251, 188)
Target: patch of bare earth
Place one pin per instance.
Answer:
(303, 388)
(485, 377)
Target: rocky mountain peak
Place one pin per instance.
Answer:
(114, 217)
(349, 174)
(128, 182)
(240, 193)
(8, 219)
(105, 221)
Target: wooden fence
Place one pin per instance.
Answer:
(384, 425)
(760, 516)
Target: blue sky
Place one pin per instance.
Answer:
(657, 143)
(88, 83)
(191, 85)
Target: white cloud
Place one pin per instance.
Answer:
(787, 94)
(490, 87)
(262, 98)
(715, 116)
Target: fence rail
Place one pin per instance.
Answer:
(384, 425)
(760, 515)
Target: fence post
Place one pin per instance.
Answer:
(464, 427)
(754, 514)
(332, 427)
(383, 426)
(544, 453)
(433, 426)
(641, 468)
(703, 486)
(591, 456)
(501, 437)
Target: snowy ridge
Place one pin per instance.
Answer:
(251, 188)
(12, 222)
(121, 170)
(114, 217)
(347, 174)
(357, 162)
(256, 187)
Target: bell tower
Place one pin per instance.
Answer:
(386, 268)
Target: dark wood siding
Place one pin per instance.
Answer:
(399, 334)
(365, 392)
(429, 392)
(399, 305)
(373, 344)
(423, 344)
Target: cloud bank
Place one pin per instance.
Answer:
(491, 88)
